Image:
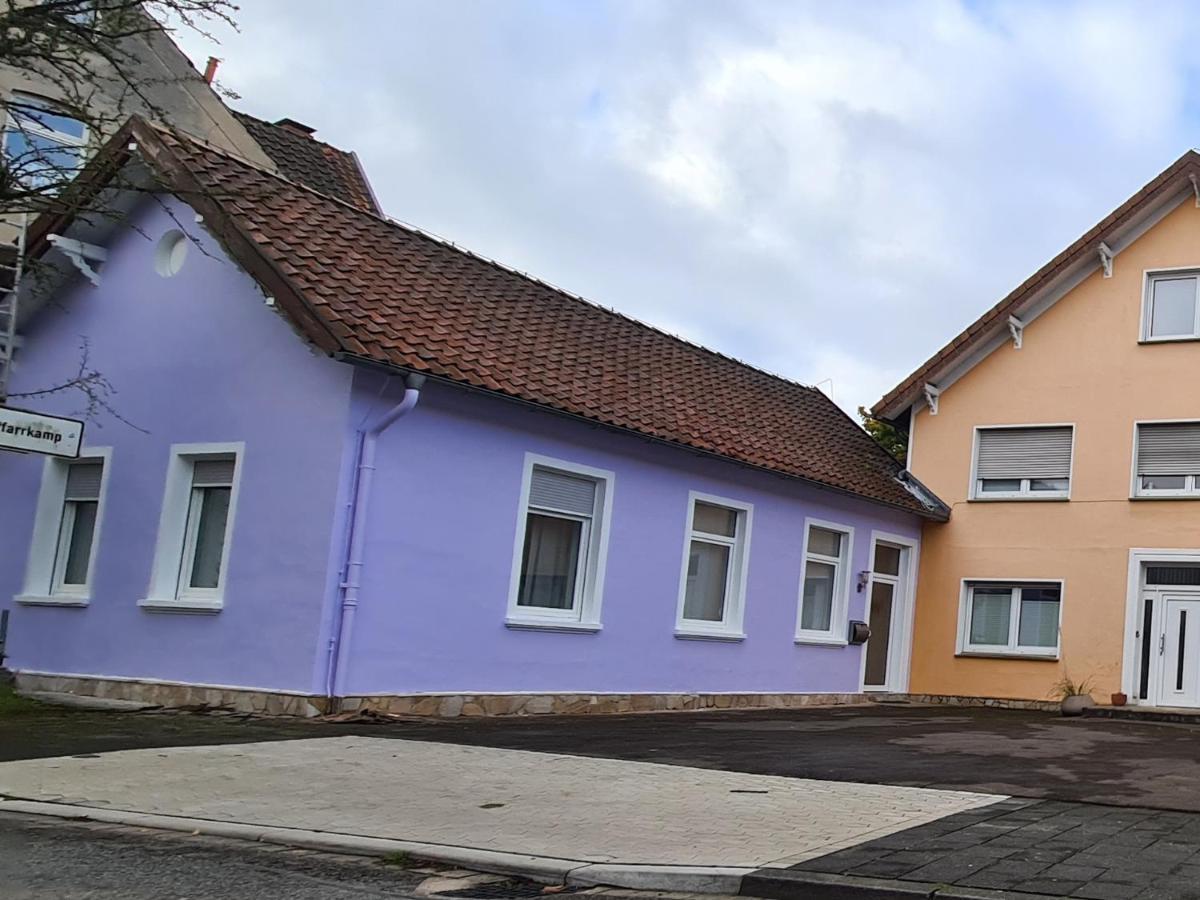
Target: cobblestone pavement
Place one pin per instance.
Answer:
(1039, 847)
(592, 810)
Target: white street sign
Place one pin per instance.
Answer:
(38, 433)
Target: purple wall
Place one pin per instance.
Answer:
(194, 358)
(439, 560)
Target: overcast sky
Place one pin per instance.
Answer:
(826, 190)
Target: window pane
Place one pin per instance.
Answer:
(1173, 308)
(210, 535)
(1181, 574)
(1000, 485)
(708, 572)
(550, 564)
(816, 611)
(887, 560)
(990, 609)
(29, 112)
(1039, 618)
(1049, 484)
(37, 161)
(81, 518)
(714, 520)
(824, 542)
(1164, 482)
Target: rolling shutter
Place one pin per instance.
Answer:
(1024, 453)
(213, 472)
(83, 480)
(1169, 449)
(566, 493)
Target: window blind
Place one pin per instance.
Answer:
(213, 472)
(1169, 449)
(565, 493)
(1024, 453)
(83, 480)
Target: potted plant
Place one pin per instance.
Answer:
(1120, 698)
(1076, 696)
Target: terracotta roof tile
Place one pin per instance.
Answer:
(360, 284)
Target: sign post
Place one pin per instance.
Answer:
(31, 432)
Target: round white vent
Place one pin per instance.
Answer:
(172, 250)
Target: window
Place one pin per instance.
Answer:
(824, 591)
(562, 535)
(1167, 460)
(1011, 619)
(1023, 463)
(66, 527)
(43, 145)
(1170, 311)
(713, 585)
(195, 528)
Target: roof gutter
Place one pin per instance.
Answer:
(940, 514)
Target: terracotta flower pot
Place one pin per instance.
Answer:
(1119, 699)
(1076, 704)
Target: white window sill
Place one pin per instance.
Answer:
(1021, 498)
(821, 640)
(52, 600)
(1167, 496)
(553, 625)
(1170, 339)
(176, 605)
(684, 634)
(1050, 656)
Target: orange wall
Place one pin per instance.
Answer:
(1080, 363)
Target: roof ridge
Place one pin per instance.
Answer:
(446, 242)
(246, 115)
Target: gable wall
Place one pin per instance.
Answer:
(1081, 363)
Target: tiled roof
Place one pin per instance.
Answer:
(305, 159)
(1170, 181)
(366, 287)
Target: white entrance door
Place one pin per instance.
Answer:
(887, 608)
(1180, 644)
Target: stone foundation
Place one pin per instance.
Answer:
(452, 705)
(270, 703)
(997, 702)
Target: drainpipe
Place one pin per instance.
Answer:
(368, 440)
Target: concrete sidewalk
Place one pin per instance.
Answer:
(548, 816)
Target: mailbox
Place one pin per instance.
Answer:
(860, 632)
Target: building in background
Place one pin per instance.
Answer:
(372, 466)
(1063, 428)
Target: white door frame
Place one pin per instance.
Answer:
(903, 613)
(1139, 558)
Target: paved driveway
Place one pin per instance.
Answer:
(1026, 754)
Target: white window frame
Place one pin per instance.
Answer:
(975, 488)
(839, 614)
(730, 626)
(1149, 276)
(1012, 649)
(167, 591)
(1191, 485)
(584, 615)
(42, 586)
(60, 138)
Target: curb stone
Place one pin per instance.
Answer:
(794, 884)
(544, 869)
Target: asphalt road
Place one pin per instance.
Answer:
(53, 860)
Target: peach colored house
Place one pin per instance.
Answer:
(1063, 428)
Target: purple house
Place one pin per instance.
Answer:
(362, 467)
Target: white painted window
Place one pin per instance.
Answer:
(712, 589)
(824, 593)
(1027, 462)
(1011, 618)
(43, 145)
(195, 528)
(1171, 310)
(562, 534)
(1167, 459)
(66, 529)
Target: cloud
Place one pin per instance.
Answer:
(826, 190)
